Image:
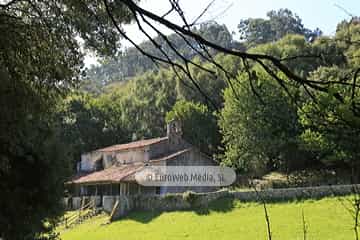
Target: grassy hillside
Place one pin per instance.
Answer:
(225, 219)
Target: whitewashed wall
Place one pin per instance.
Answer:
(88, 160)
(133, 155)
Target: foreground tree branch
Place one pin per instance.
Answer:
(269, 63)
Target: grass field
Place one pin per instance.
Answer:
(225, 219)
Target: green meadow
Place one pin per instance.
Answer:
(226, 219)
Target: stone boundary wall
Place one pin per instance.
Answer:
(190, 200)
(179, 202)
(287, 194)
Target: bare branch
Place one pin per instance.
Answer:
(353, 89)
(251, 78)
(168, 12)
(202, 13)
(186, 33)
(343, 9)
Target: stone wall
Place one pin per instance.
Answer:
(178, 201)
(191, 158)
(188, 200)
(161, 203)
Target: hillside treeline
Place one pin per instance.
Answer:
(258, 126)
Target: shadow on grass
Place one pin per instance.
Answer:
(142, 216)
(222, 205)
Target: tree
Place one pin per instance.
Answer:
(284, 22)
(199, 125)
(255, 31)
(211, 84)
(259, 134)
(132, 62)
(203, 47)
(259, 122)
(142, 103)
(303, 57)
(333, 135)
(33, 164)
(40, 62)
(89, 123)
(280, 23)
(332, 127)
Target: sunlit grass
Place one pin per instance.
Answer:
(225, 219)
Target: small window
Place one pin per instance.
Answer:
(157, 190)
(99, 165)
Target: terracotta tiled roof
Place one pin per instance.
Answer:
(130, 145)
(116, 174)
(131, 177)
(170, 156)
(110, 175)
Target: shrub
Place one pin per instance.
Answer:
(170, 197)
(191, 197)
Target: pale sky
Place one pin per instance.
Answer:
(314, 13)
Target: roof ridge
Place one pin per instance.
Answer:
(129, 145)
(171, 155)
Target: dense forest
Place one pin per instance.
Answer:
(130, 62)
(52, 111)
(257, 127)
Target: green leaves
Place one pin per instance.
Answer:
(131, 62)
(257, 133)
(331, 126)
(40, 62)
(198, 124)
(280, 23)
